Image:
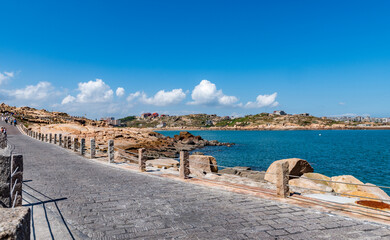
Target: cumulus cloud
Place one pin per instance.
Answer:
(40, 91)
(207, 93)
(68, 99)
(264, 101)
(161, 98)
(91, 92)
(120, 92)
(133, 96)
(5, 76)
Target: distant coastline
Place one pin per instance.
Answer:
(264, 129)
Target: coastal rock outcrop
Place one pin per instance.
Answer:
(318, 176)
(297, 167)
(304, 185)
(371, 188)
(202, 164)
(244, 172)
(342, 187)
(163, 162)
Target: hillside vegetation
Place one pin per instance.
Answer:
(262, 120)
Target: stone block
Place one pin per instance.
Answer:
(15, 223)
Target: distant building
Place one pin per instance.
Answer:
(209, 123)
(304, 114)
(161, 125)
(111, 121)
(280, 113)
(146, 115)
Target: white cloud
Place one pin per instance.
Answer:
(68, 99)
(120, 92)
(264, 101)
(206, 93)
(91, 92)
(94, 92)
(161, 98)
(133, 96)
(40, 91)
(5, 76)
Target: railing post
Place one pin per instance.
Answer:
(82, 146)
(39, 136)
(46, 137)
(75, 143)
(50, 138)
(60, 139)
(184, 170)
(141, 160)
(66, 143)
(16, 180)
(55, 138)
(282, 189)
(110, 151)
(93, 148)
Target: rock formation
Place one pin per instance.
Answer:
(297, 167)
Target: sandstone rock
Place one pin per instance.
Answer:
(228, 171)
(242, 168)
(297, 167)
(306, 183)
(361, 195)
(202, 164)
(374, 190)
(318, 176)
(254, 175)
(345, 188)
(163, 162)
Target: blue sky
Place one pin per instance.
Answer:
(322, 57)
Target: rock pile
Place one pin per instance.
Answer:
(309, 182)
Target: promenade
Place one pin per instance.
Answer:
(76, 198)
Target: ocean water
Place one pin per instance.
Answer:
(364, 154)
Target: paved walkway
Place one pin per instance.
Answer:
(73, 197)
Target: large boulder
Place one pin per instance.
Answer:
(163, 162)
(319, 177)
(342, 187)
(202, 164)
(297, 167)
(306, 186)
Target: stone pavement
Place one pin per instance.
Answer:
(73, 197)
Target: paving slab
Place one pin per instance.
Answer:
(80, 198)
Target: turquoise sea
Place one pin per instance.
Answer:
(364, 154)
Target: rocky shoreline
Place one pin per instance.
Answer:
(267, 129)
